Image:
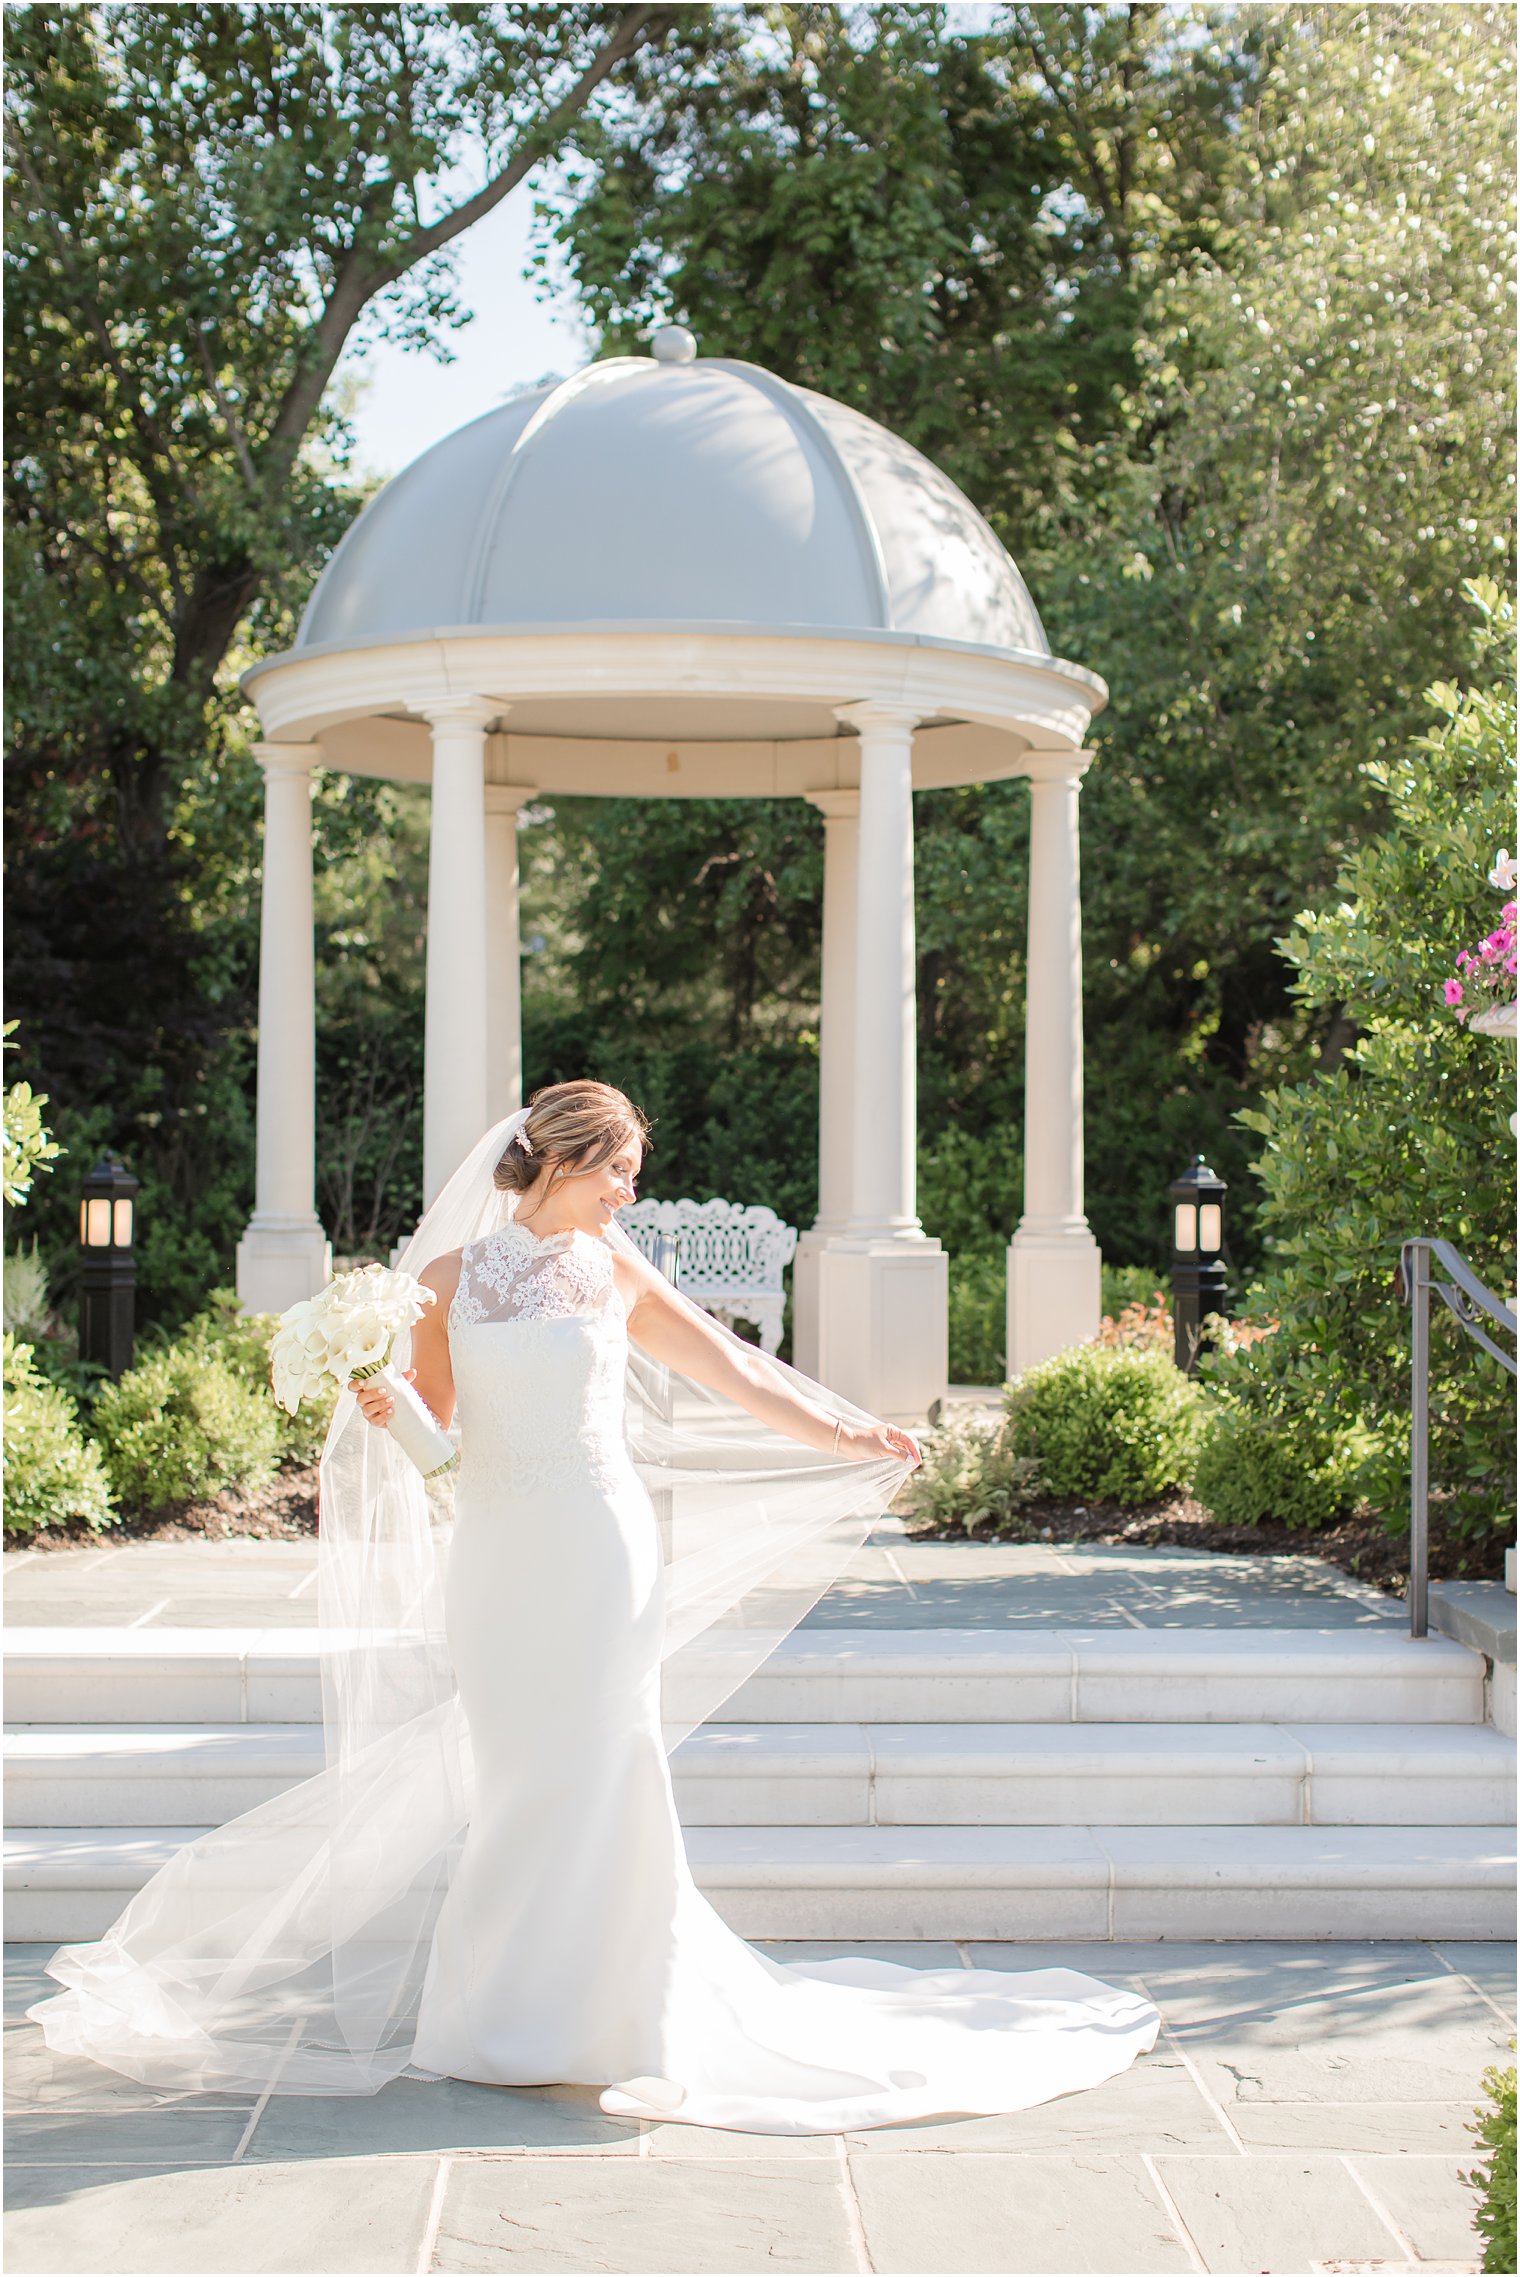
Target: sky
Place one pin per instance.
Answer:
(407, 402)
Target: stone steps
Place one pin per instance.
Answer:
(981, 1883)
(838, 1774)
(1004, 1675)
(1010, 1782)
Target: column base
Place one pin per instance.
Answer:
(280, 1261)
(805, 1297)
(1055, 1294)
(884, 1323)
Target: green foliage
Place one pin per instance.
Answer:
(181, 1425)
(239, 1342)
(1495, 2217)
(1409, 1134)
(972, 1477)
(28, 1145)
(53, 1474)
(208, 208)
(27, 1312)
(978, 1315)
(1111, 1423)
(1254, 1465)
(1206, 314)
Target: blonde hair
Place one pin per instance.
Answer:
(579, 1125)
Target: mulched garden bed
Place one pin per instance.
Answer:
(283, 1512)
(1359, 1546)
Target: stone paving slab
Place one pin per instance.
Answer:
(1271, 2212)
(667, 2217)
(371, 2218)
(1307, 2107)
(1006, 2214)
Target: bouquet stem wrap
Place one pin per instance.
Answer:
(413, 1425)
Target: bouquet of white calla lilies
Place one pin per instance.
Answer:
(350, 1331)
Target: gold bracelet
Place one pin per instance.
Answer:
(838, 1425)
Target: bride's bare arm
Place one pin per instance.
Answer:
(432, 1368)
(661, 1325)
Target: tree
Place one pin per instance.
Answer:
(1204, 310)
(1408, 1133)
(209, 206)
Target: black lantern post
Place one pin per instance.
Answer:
(1198, 1274)
(108, 1265)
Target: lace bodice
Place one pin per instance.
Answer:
(538, 1338)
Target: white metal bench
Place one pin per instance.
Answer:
(730, 1257)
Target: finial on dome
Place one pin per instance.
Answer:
(673, 344)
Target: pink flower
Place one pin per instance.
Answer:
(1509, 964)
(1453, 992)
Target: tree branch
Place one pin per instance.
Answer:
(230, 418)
(354, 288)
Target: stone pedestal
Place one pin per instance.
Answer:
(1055, 1294)
(884, 1324)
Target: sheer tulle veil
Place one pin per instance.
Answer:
(286, 1951)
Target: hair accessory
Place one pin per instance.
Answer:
(522, 1141)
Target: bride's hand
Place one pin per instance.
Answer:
(866, 1441)
(376, 1403)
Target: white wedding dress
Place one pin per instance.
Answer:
(572, 1943)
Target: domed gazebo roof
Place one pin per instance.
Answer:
(674, 491)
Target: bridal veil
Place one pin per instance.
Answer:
(285, 1951)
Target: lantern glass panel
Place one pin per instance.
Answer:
(121, 1223)
(1210, 1226)
(97, 1222)
(1186, 1236)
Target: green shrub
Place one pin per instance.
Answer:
(971, 1476)
(28, 1314)
(1495, 2217)
(240, 1341)
(1253, 1466)
(1125, 1285)
(181, 1425)
(1408, 1133)
(978, 1316)
(52, 1472)
(1113, 1423)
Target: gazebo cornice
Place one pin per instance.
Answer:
(1044, 700)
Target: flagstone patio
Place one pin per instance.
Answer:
(1306, 2108)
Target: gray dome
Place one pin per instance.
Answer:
(668, 491)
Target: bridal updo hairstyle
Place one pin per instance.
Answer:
(576, 1126)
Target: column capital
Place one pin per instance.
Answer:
(509, 798)
(836, 805)
(288, 758)
(874, 712)
(1057, 766)
(463, 711)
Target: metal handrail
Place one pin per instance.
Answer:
(1461, 1293)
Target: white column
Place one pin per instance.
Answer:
(885, 1171)
(454, 1113)
(284, 1254)
(1054, 1267)
(836, 1062)
(503, 951)
(883, 1301)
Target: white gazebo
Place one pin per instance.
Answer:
(681, 577)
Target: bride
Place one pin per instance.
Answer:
(489, 1880)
